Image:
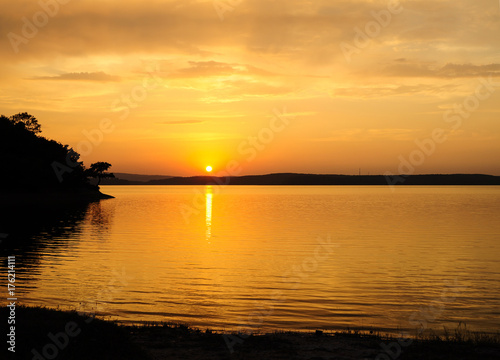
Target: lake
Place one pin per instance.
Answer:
(259, 258)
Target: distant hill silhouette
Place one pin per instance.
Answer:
(131, 179)
(320, 179)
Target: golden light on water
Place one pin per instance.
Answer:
(254, 242)
(208, 214)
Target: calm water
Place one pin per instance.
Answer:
(265, 258)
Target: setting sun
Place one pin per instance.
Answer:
(208, 168)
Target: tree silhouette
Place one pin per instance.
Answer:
(31, 163)
(29, 122)
(98, 170)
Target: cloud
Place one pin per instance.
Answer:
(99, 76)
(450, 70)
(216, 68)
(179, 122)
(224, 82)
(282, 32)
(357, 134)
(392, 90)
(205, 68)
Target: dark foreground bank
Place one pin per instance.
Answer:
(53, 197)
(51, 334)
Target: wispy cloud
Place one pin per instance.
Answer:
(368, 135)
(216, 68)
(180, 122)
(405, 68)
(99, 76)
(392, 90)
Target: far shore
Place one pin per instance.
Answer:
(42, 331)
(315, 179)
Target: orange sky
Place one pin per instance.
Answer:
(270, 86)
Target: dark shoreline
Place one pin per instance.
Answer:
(53, 197)
(83, 337)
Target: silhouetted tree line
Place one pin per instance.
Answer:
(27, 159)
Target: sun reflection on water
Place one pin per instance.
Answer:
(208, 214)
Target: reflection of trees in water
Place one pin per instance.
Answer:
(98, 219)
(38, 230)
(99, 216)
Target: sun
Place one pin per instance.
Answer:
(208, 168)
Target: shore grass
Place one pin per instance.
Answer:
(67, 335)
